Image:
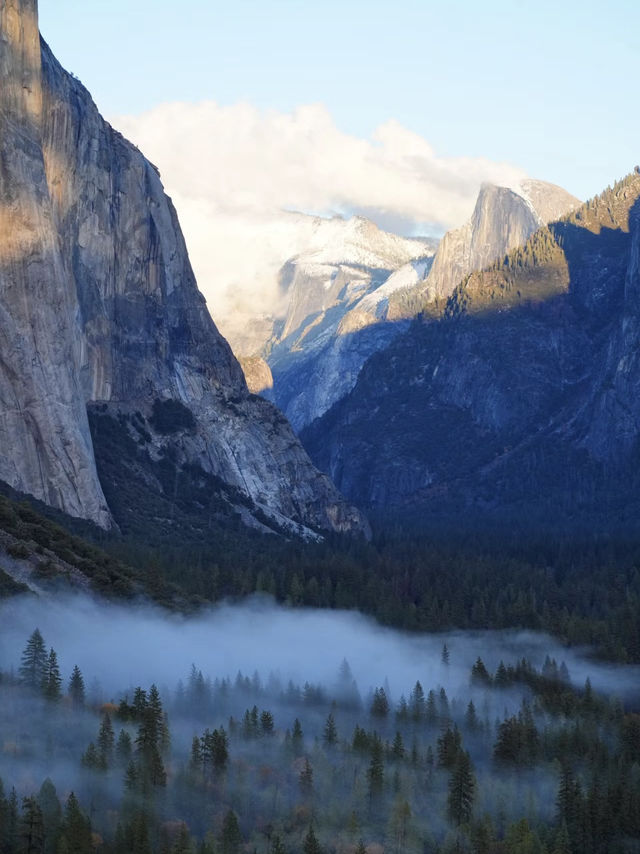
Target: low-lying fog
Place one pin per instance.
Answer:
(125, 645)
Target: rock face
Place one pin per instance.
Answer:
(502, 219)
(519, 402)
(100, 307)
(46, 444)
(351, 296)
(335, 296)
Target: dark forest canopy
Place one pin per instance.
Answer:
(582, 591)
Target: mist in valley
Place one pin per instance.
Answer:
(292, 718)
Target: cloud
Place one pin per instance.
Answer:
(234, 171)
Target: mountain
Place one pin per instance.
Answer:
(518, 402)
(502, 219)
(321, 343)
(355, 288)
(117, 392)
(304, 354)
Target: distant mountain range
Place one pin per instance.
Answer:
(517, 401)
(355, 287)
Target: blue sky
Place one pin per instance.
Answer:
(550, 87)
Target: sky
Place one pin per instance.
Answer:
(397, 112)
(546, 85)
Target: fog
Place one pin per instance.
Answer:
(255, 671)
(124, 645)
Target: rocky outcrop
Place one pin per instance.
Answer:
(520, 401)
(334, 298)
(258, 375)
(503, 218)
(100, 306)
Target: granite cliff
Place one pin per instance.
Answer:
(102, 326)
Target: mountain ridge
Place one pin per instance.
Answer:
(494, 401)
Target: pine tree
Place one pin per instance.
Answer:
(379, 704)
(51, 814)
(416, 703)
(462, 787)
(124, 749)
(76, 688)
(31, 827)
(91, 758)
(330, 733)
(76, 828)
(106, 740)
(266, 723)
(34, 661)
(306, 778)
(182, 845)
(479, 673)
(52, 681)
(297, 739)
(311, 844)
(449, 747)
(562, 842)
(471, 718)
(397, 749)
(375, 772)
(12, 823)
(431, 709)
(445, 655)
(231, 837)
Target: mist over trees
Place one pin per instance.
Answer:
(491, 757)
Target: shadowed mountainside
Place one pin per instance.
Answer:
(521, 401)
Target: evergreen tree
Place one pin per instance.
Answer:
(416, 703)
(431, 709)
(31, 831)
(91, 758)
(231, 837)
(449, 746)
(52, 681)
(479, 673)
(76, 688)
(379, 704)
(106, 740)
(397, 749)
(471, 718)
(311, 844)
(34, 662)
(562, 843)
(297, 739)
(330, 733)
(124, 749)
(9, 830)
(306, 779)
(375, 772)
(51, 814)
(462, 787)
(266, 723)
(76, 828)
(445, 655)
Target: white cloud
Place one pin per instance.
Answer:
(233, 172)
